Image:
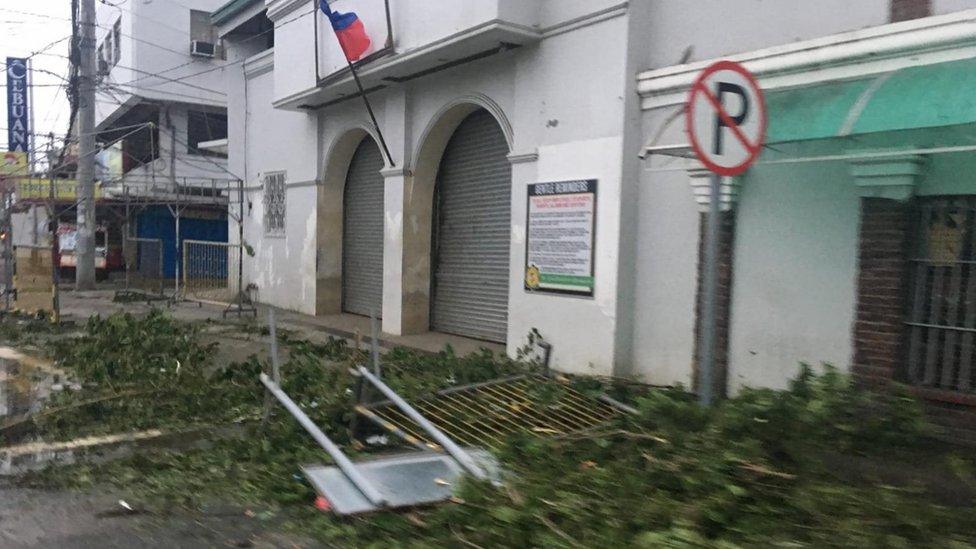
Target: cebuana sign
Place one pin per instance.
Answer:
(18, 108)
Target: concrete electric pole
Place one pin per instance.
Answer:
(85, 246)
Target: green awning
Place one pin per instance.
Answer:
(910, 98)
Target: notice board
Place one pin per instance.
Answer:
(561, 237)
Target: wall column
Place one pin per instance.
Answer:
(395, 180)
(886, 186)
(699, 180)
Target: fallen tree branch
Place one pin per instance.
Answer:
(556, 530)
(460, 538)
(759, 469)
(73, 406)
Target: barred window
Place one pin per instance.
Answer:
(274, 203)
(942, 321)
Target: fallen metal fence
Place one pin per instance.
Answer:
(144, 275)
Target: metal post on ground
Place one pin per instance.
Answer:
(241, 249)
(176, 212)
(52, 220)
(706, 351)
(374, 350)
(126, 228)
(8, 249)
(273, 332)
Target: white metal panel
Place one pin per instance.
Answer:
(472, 232)
(362, 232)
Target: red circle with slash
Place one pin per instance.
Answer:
(725, 118)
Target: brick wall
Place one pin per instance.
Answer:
(882, 290)
(880, 336)
(724, 300)
(904, 10)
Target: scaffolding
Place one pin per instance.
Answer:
(178, 195)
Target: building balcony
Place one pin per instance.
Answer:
(415, 38)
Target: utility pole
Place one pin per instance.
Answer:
(85, 247)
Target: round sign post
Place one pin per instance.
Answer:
(725, 119)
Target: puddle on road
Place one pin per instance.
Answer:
(25, 383)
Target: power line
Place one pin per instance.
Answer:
(173, 80)
(133, 90)
(42, 49)
(241, 61)
(146, 17)
(32, 14)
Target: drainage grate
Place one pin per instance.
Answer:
(485, 414)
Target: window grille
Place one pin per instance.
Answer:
(117, 43)
(942, 316)
(274, 203)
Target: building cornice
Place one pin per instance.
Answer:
(232, 8)
(837, 57)
(611, 12)
(281, 8)
(259, 63)
(524, 157)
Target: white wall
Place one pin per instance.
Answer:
(283, 267)
(713, 28)
(667, 262)
(940, 7)
(582, 330)
(572, 119)
(794, 272)
(156, 40)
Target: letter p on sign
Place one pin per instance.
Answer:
(726, 118)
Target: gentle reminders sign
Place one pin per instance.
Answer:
(560, 237)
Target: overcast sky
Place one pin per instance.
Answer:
(26, 27)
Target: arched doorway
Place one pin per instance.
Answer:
(471, 232)
(362, 232)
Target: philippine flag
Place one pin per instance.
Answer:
(350, 31)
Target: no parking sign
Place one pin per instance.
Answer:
(726, 118)
(726, 123)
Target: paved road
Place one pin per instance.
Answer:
(68, 520)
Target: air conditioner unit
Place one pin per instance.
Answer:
(202, 49)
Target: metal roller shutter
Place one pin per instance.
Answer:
(362, 232)
(472, 232)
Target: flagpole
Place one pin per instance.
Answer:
(331, 16)
(369, 109)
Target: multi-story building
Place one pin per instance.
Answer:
(850, 242)
(161, 114)
(161, 62)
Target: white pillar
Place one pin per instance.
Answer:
(395, 180)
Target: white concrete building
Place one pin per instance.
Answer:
(476, 101)
(480, 101)
(160, 62)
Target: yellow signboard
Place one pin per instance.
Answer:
(14, 164)
(36, 188)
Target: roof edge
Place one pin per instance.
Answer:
(230, 9)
